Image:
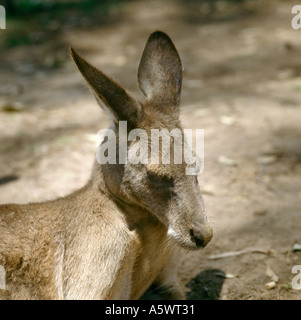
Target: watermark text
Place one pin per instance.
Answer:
(2, 18)
(296, 282)
(159, 146)
(296, 21)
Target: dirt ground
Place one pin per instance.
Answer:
(242, 85)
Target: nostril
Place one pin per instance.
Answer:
(196, 238)
(199, 241)
(191, 234)
(199, 238)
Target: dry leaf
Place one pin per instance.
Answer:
(227, 161)
(297, 247)
(270, 285)
(227, 120)
(267, 159)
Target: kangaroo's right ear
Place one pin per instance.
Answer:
(109, 94)
(160, 73)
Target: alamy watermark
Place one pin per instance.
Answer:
(2, 278)
(2, 18)
(296, 282)
(296, 21)
(161, 147)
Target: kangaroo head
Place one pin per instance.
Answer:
(162, 189)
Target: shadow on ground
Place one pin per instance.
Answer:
(207, 285)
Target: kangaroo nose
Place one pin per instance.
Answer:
(201, 237)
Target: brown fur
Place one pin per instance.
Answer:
(121, 232)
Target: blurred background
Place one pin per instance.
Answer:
(242, 84)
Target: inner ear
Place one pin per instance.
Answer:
(160, 72)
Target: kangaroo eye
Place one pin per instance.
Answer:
(160, 181)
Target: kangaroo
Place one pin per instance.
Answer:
(123, 231)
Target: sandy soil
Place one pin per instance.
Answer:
(242, 84)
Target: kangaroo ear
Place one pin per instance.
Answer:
(109, 94)
(160, 73)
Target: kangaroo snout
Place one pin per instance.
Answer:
(201, 236)
(191, 237)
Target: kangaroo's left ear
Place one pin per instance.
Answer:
(160, 73)
(109, 94)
